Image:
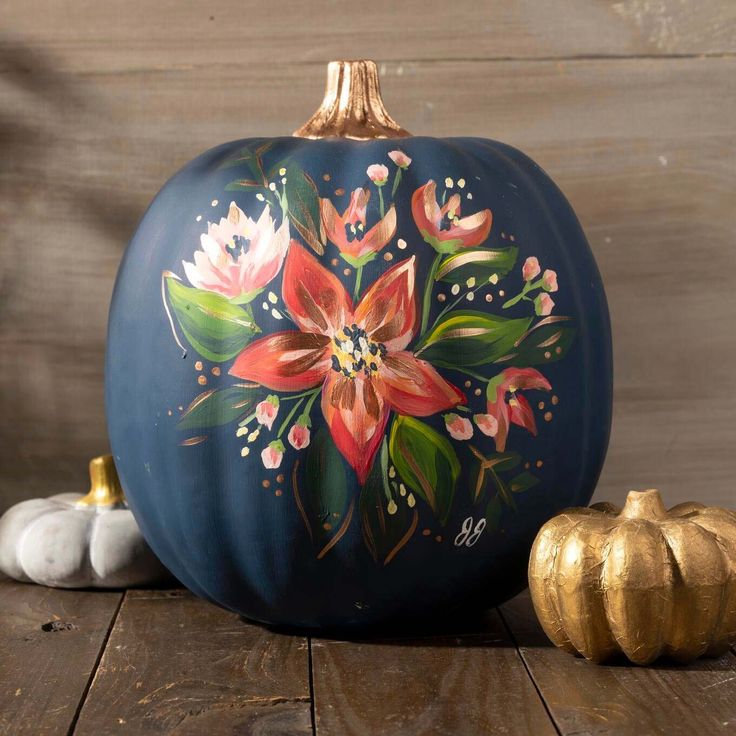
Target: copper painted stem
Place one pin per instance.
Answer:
(352, 106)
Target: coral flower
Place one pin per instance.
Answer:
(355, 353)
(346, 230)
(239, 256)
(442, 227)
(400, 159)
(378, 174)
(507, 406)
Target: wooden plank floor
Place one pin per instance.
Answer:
(165, 662)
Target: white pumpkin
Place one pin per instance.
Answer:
(78, 541)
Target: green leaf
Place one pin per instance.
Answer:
(220, 406)
(303, 206)
(493, 512)
(487, 467)
(215, 327)
(323, 498)
(385, 533)
(523, 482)
(546, 342)
(242, 184)
(477, 263)
(464, 338)
(426, 461)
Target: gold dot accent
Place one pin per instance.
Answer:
(346, 271)
(477, 392)
(539, 463)
(327, 526)
(527, 466)
(548, 416)
(334, 262)
(169, 412)
(441, 298)
(512, 238)
(388, 256)
(502, 293)
(339, 192)
(266, 483)
(540, 405)
(468, 384)
(335, 515)
(438, 538)
(181, 408)
(489, 297)
(198, 365)
(558, 350)
(326, 177)
(216, 370)
(503, 235)
(280, 478)
(201, 380)
(555, 400)
(426, 532)
(547, 354)
(278, 492)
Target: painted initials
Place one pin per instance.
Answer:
(468, 535)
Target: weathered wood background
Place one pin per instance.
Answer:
(629, 105)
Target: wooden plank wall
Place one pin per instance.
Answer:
(630, 105)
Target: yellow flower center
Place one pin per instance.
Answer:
(353, 351)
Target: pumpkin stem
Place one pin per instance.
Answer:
(644, 505)
(352, 106)
(105, 488)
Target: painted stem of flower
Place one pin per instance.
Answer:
(397, 181)
(380, 201)
(358, 277)
(472, 374)
(428, 286)
(289, 417)
(528, 286)
(457, 301)
(247, 420)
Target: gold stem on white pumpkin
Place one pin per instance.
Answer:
(352, 106)
(644, 505)
(105, 488)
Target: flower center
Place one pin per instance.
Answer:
(239, 245)
(353, 351)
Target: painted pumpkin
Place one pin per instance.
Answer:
(78, 541)
(640, 581)
(351, 372)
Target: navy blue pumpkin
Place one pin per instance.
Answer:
(350, 373)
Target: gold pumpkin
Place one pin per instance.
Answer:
(641, 581)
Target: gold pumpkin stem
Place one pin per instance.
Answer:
(105, 488)
(352, 106)
(644, 505)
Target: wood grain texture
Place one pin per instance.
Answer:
(135, 35)
(101, 103)
(176, 664)
(624, 699)
(463, 684)
(50, 641)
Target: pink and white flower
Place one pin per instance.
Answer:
(273, 454)
(549, 280)
(267, 410)
(400, 159)
(543, 304)
(299, 435)
(530, 269)
(459, 427)
(239, 256)
(486, 423)
(378, 174)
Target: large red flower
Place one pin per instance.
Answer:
(357, 354)
(508, 406)
(442, 227)
(354, 245)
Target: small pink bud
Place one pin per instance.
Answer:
(399, 158)
(299, 436)
(267, 410)
(543, 305)
(273, 454)
(487, 424)
(549, 280)
(378, 174)
(530, 269)
(459, 427)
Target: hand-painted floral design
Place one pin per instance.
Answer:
(382, 376)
